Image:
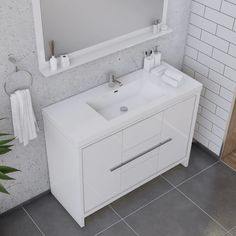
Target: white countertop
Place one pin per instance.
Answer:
(82, 125)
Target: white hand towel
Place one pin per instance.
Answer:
(16, 117)
(170, 81)
(32, 120)
(174, 75)
(24, 122)
(159, 70)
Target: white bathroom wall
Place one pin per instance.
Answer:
(17, 38)
(210, 57)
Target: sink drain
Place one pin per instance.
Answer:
(124, 109)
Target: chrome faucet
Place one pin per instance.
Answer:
(112, 81)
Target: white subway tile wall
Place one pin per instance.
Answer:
(210, 57)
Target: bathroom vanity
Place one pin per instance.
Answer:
(98, 152)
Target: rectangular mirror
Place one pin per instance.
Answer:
(82, 27)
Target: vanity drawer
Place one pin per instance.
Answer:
(136, 167)
(142, 131)
(139, 172)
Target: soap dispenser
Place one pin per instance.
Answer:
(157, 57)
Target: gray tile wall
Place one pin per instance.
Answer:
(210, 57)
(17, 38)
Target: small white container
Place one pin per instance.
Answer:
(156, 27)
(65, 61)
(53, 63)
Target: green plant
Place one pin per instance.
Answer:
(5, 147)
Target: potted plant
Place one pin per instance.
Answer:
(5, 147)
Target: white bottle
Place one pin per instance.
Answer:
(65, 61)
(53, 63)
(157, 57)
(156, 27)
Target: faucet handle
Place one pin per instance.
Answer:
(111, 79)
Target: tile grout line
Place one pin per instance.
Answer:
(117, 222)
(176, 188)
(191, 176)
(229, 232)
(130, 227)
(228, 167)
(140, 208)
(33, 221)
(123, 220)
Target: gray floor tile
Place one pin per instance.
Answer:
(214, 191)
(141, 196)
(233, 232)
(53, 219)
(120, 229)
(175, 215)
(17, 223)
(199, 160)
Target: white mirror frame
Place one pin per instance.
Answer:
(97, 51)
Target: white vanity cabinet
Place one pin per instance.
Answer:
(94, 161)
(127, 158)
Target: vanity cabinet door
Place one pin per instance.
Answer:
(177, 123)
(100, 183)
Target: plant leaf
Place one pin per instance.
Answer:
(4, 134)
(4, 150)
(5, 177)
(3, 190)
(7, 169)
(6, 146)
(2, 142)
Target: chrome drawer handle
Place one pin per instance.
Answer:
(141, 154)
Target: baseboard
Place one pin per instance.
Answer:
(25, 203)
(206, 149)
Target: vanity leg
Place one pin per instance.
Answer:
(81, 222)
(185, 163)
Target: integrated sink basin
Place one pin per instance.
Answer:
(124, 99)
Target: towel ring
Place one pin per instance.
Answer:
(27, 75)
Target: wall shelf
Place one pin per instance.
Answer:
(104, 49)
